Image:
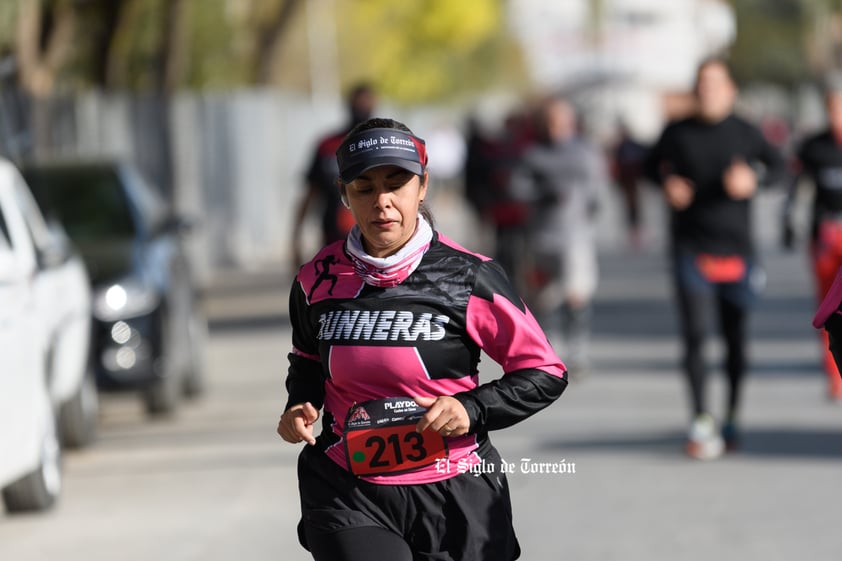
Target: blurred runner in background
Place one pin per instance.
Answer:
(820, 160)
(560, 176)
(488, 172)
(629, 156)
(710, 165)
(322, 174)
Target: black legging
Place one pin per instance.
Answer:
(358, 544)
(693, 308)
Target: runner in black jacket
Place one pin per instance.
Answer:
(709, 166)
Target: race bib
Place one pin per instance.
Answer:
(721, 268)
(380, 438)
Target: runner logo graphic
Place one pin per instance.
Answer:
(324, 275)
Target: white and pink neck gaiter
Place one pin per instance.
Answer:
(385, 272)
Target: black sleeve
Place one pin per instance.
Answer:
(304, 382)
(313, 175)
(657, 157)
(508, 400)
(511, 336)
(834, 332)
(305, 377)
(775, 170)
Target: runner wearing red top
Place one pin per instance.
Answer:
(388, 328)
(322, 174)
(820, 159)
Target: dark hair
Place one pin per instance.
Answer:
(714, 61)
(379, 123)
(384, 123)
(360, 102)
(362, 88)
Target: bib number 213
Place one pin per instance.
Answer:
(391, 447)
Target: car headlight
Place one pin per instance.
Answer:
(123, 300)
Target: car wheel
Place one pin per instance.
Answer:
(39, 489)
(197, 333)
(78, 416)
(162, 395)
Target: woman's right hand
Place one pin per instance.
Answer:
(297, 423)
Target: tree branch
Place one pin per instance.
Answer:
(38, 67)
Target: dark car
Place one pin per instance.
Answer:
(149, 328)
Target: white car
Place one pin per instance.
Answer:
(47, 392)
(64, 300)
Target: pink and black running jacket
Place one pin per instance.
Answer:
(353, 342)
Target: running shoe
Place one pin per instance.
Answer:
(703, 441)
(731, 436)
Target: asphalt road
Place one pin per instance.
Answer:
(215, 482)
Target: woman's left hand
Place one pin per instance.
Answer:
(445, 415)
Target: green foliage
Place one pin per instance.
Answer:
(8, 20)
(422, 50)
(218, 46)
(136, 44)
(414, 51)
(770, 44)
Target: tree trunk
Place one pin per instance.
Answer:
(117, 72)
(172, 54)
(168, 72)
(110, 12)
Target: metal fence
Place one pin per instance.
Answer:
(234, 161)
(231, 161)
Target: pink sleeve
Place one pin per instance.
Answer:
(511, 336)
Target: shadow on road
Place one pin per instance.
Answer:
(633, 317)
(793, 442)
(774, 318)
(608, 366)
(773, 442)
